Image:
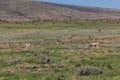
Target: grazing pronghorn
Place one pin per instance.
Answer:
(94, 44)
(27, 45)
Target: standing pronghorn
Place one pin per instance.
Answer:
(94, 44)
(27, 45)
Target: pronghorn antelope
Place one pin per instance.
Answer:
(27, 45)
(94, 44)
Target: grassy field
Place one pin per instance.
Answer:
(56, 50)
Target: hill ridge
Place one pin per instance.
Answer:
(37, 10)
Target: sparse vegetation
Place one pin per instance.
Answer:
(57, 50)
(89, 70)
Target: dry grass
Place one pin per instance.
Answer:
(57, 53)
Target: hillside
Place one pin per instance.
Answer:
(36, 10)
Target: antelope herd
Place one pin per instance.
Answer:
(28, 45)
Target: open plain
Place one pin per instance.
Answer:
(57, 49)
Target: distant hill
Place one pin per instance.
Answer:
(36, 10)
